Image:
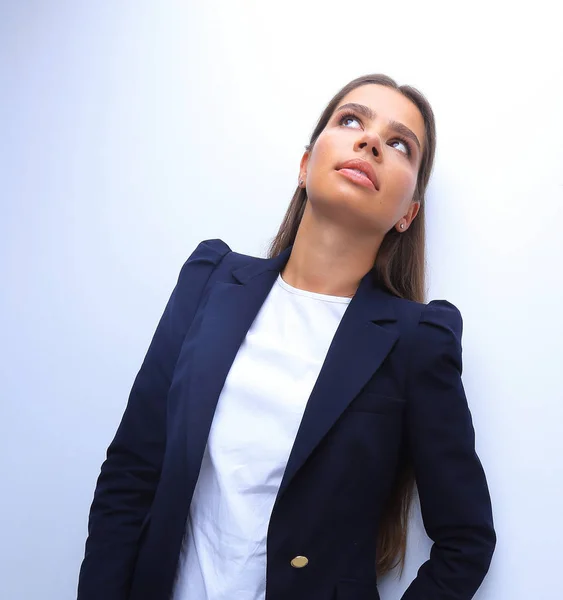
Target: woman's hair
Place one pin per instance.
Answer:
(400, 267)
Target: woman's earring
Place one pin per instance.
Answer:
(402, 225)
(300, 182)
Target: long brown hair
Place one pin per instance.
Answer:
(400, 264)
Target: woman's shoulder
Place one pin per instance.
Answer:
(443, 313)
(203, 259)
(210, 252)
(213, 249)
(439, 311)
(439, 328)
(431, 323)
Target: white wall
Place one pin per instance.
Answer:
(115, 115)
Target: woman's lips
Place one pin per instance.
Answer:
(356, 177)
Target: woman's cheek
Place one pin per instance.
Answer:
(402, 184)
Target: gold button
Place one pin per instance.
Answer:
(299, 561)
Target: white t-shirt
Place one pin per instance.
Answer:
(257, 417)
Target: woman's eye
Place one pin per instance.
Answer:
(407, 149)
(348, 118)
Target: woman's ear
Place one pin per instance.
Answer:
(303, 165)
(413, 211)
(408, 218)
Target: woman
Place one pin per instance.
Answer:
(290, 404)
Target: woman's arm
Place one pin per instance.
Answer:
(453, 491)
(130, 474)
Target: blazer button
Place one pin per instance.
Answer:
(299, 561)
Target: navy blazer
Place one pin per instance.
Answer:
(391, 380)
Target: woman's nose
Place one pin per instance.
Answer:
(374, 147)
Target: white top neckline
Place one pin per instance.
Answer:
(307, 293)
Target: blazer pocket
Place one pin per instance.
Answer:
(376, 403)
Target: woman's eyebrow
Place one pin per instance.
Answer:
(367, 112)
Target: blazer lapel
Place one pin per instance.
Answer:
(358, 348)
(228, 315)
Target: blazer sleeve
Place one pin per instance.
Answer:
(129, 476)
(453, 492)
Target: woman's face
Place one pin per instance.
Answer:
(367, 135)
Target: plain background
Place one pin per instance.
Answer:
(132, 130)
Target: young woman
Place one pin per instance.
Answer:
(287, 406)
